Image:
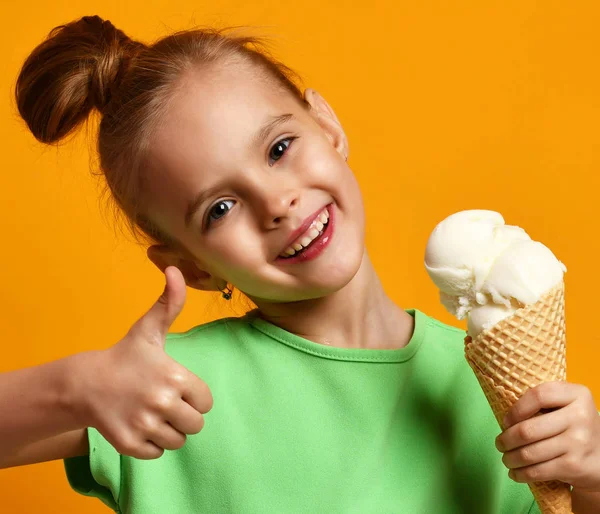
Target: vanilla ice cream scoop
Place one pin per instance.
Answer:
(486, 270)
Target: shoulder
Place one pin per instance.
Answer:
(439, 333)
(212, 327)
(441, 344)
(216, 345)
(218, 332)
(446, 375)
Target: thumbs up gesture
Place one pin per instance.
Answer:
(141, 400)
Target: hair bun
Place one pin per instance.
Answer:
(112, 62)
(76, 69)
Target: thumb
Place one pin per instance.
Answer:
(169, 305)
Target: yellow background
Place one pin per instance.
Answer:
(447, 105)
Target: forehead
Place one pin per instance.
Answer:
(215, 106)
(208, 130)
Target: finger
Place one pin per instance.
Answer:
(186, 419)
(197, 394)
(544, 396)
(533, 429)
(127, 444)
(536, 453)
(543, 472)
(169, 305)
(147, 451)
(168, 437)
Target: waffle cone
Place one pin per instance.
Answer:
(516, 354)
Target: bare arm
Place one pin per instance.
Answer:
(36, 412)
(63, 446)
(141, 400)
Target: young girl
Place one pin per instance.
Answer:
(328, 397)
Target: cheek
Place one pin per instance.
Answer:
(323, 165)
(233, 249)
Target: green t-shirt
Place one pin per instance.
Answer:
(299, 427)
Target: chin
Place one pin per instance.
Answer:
(319, 284)
(334, 278)
(324, 276)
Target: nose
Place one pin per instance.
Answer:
(278, 204)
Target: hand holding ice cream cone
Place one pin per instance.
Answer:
(511, 290)
(563, 444)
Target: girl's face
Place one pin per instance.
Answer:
(241, 171)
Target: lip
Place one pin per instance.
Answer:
(318, 245)
(304, 227)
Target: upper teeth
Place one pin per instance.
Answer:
(309, 236)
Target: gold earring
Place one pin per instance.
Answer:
(226, 292)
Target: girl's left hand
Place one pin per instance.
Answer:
(563, 444)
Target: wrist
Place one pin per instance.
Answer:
(585, 501)
(72, 398)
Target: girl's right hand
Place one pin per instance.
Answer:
(141, 400)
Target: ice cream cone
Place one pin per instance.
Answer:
(516, 354)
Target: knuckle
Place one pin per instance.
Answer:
(540, 392)
(544, 392)
(554, 386)
(580, 436)
(526, 431)
(150, 336)
(584, 391)
(580, 411)
(515, 411)
(162, 401)
(163, 299)
(526, 455)
(530, 474)
(144, 423)
(127, 446)
(571, 465)
(589, 414)
(176, 379)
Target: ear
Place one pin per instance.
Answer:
(328, 121)
(162, 256)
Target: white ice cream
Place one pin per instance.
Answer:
(486, 270)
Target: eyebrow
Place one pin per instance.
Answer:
(267, 128)
(195, 205)
(259, 139)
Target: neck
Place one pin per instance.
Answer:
(360, 315)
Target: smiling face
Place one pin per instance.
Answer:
(241, 173)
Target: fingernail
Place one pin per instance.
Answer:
(499, 444)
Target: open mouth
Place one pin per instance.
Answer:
(314, 239)
(311, 236)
